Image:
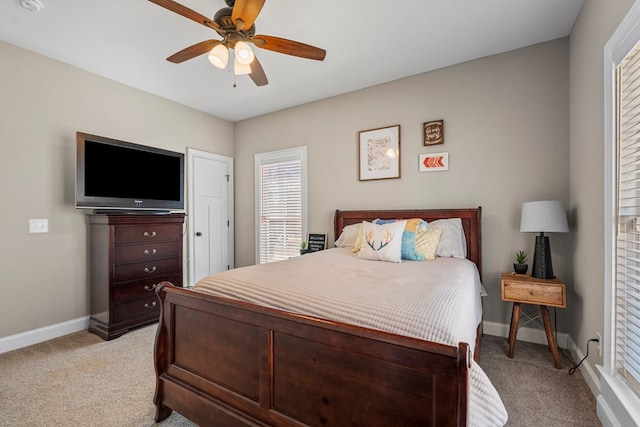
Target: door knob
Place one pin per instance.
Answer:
(198, 233)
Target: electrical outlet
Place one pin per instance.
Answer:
(599, 343)
(38, 226)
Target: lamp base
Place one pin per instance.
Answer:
(542, 268)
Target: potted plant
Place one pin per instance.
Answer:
(303, 248)
(519, 266)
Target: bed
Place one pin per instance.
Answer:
(223, 358)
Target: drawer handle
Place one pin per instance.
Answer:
(149, 288)
(147, 305)
(150, 270)
(150, 252)
(152, 234)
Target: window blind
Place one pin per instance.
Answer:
(280, 216)
(627, 294)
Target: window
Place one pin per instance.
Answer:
(619, 400)
(280, 203)
(627, 267)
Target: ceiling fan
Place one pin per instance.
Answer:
(235, 24)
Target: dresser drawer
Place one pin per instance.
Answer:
(534, 293)
(142, 288)
(149, 306)
(149, 233)
(146, 252)
(144, 270)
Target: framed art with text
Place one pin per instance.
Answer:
(379, 151)
(316, 242)
(433, 132)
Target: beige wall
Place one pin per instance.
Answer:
(595, 25)
(43, 103)
(507, 134)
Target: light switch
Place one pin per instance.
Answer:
(38, 225)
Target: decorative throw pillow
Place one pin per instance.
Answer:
(409, 240)
(382, 242)
(358, 243)
(348, 236)
(452, 240)
(427, 239)
(383, 221)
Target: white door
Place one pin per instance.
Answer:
(210, 214)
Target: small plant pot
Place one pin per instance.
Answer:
(304, 251)
(520, 268)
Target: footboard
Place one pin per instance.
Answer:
(224, 362)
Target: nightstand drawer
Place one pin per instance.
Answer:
(548, 294)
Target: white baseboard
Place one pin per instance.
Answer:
(35, 336)
(538, 336)
(533, 335)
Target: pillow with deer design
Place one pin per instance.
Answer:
(382, 242)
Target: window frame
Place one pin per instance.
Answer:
(297, 153)
(617, 403)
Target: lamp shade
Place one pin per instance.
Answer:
(240, 68)
(244, 54)
(546, 216)
(219, 56)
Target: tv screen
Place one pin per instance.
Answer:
(114, 174)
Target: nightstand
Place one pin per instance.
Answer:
(524, 289)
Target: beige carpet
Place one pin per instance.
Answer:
(81, 380)
(534, 392)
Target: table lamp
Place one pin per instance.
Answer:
(546, 216)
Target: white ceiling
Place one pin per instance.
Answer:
(368, 42)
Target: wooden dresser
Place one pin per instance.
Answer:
(129, 255)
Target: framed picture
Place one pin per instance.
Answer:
(434, 162)
(316, 242)
(379, 153)
(433, 132)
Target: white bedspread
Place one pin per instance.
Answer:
(435, 300)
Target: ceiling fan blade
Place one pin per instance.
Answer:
(193, 51)
(245, 13)
(289, 47)
(186, 12)
(257, 73)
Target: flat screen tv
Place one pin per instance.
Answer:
(119, 175)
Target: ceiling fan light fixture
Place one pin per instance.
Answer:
(239, 68)
(219, 56)
(244, 54)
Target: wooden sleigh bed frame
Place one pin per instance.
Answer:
(222, 362)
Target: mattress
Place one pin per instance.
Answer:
(436, 300)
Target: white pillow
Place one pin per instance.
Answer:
(348, 236)
(382, 242)
(453, 243)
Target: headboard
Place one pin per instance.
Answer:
(471, 223)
